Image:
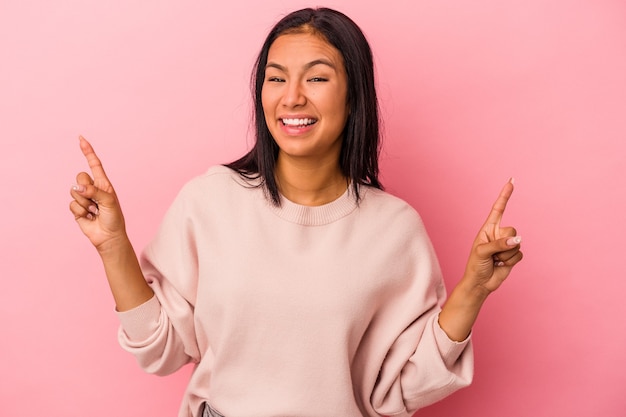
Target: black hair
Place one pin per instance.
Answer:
(360, 146)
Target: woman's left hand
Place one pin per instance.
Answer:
(495, 251)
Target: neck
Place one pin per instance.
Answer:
(309, 184)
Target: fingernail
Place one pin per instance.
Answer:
(93, 209)
(516, 240)
(512, 180)
(499, 263)
(78, 188)
(89, 216)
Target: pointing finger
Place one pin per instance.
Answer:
(92, 159)
(497, 211)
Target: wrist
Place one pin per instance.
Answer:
(460, 311)
(464, 303)
(470, 293)
(115, 246)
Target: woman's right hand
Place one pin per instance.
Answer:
(95, 205)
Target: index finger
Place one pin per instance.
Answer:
(497, 211)
(92, 160)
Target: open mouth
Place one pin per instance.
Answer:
(298, 122)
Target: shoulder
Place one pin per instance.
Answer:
(219, 185)
(384, 205)
(218, 177)
(216, 174)
(397, 228)
(391, 214)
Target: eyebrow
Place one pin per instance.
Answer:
(309, 65)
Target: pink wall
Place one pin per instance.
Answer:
(472, 93)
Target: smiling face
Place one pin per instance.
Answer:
(304, 97)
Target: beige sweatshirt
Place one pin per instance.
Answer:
(295, 310)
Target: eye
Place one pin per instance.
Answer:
(317, 79)
(275, 80)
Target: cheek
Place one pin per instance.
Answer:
(341, 110)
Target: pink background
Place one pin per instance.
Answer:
(472, 92)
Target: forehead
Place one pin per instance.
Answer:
(302, 47)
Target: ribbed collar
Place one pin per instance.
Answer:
(317, 215)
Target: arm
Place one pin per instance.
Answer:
(97, 211)
(158, 330)
(495, 251)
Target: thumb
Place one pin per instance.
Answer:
(98, 196)
(489, 249)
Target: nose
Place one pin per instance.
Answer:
(294, 95)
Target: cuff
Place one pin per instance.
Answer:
(142, 321)
(449, 349)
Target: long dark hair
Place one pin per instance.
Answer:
(360, 147)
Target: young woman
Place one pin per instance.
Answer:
(293, 282)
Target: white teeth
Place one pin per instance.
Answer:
(298, 122)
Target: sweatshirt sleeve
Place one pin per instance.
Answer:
(436, 368)
(420, 364)
(160, 333)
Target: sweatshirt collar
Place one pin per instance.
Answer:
(317, 215)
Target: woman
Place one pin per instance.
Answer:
(294, 283)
